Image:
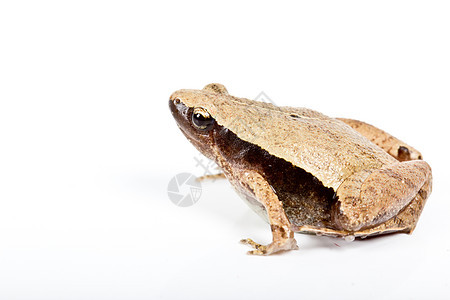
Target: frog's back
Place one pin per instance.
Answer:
(316, 143)
(320, 145)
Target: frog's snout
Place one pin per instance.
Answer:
(173, 106)
(179, 110)
(175, 98)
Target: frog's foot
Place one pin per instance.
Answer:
(289, 244)
(211, 177)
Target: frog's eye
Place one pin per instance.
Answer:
(202, 119)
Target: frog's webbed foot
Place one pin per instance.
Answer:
(211, 177)
(273, 247)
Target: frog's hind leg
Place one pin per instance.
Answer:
(211, 177)
(395, 147)
(391, 197)
(406, 220)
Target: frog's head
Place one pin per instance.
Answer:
(193, 110)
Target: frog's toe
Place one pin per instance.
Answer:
(272, 248)
(251, 243)
(259, 249)
(289, 244)
(258, 252)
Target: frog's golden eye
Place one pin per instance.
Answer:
(202, 119)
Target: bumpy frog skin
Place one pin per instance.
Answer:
(303, 171)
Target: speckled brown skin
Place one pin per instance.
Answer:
(304, 171)
(396, 148)
(379, 194)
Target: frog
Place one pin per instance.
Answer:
(303, 171)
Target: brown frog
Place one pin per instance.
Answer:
(303, 171)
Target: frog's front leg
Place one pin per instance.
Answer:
(282, 233)
(372, 197)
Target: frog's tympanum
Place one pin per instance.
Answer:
(303, 171)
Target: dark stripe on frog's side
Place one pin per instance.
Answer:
(305, 199)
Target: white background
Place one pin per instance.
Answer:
(88, 146)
